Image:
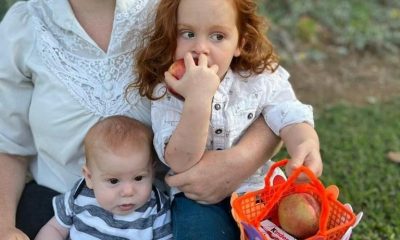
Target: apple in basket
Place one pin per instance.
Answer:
(299, 215)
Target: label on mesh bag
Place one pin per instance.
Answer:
(273, 232)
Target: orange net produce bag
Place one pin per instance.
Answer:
(253, 207)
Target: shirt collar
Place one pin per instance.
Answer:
(225, 86)
(63, 15)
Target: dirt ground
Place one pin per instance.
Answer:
(355, 79)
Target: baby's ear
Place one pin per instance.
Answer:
(88, 176)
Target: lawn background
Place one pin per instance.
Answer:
(354, 139)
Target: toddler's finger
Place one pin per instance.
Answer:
(189, 61)
(314, 163)
(214, 68)
(170, 80)
(293, 163)
(203, 60)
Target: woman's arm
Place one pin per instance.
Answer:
(15, 99)
(12, 181)
(219, 173)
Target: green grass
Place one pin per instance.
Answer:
(354, 145)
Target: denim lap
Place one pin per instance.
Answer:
(35, 208)
(192, 220)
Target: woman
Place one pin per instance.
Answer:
(64, 66)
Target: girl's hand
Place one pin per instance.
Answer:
(302, 144)
(305, 154)
(199, 81)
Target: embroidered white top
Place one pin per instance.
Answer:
(237, 103)
(55, 83)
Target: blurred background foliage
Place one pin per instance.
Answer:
(4, 5)
(312, 29)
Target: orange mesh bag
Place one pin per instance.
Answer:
(250, 209)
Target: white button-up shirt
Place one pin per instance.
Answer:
(237, 103)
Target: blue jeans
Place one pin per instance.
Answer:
(192, 220)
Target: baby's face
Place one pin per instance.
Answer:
(121, 180)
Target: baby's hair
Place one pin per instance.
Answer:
(114, 132)
(157, 50)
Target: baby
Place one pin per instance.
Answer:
(116, 198)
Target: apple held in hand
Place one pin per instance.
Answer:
(177, 69)
(299, 215)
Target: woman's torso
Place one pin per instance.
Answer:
(74, 83)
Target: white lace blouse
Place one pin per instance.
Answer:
(55, 83)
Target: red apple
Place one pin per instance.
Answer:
(177, 69)
(299, 215)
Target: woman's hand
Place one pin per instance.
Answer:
(13, 234)
(210, 180)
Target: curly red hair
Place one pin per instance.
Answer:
(156, 53)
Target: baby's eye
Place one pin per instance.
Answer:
(139, 178)
(187, 34)
(217, 36)
(113, 180)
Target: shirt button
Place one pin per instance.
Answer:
(218, 131)
(217, 106)
(250, 116)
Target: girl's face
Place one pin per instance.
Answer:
(121, 181)
(208, 27)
